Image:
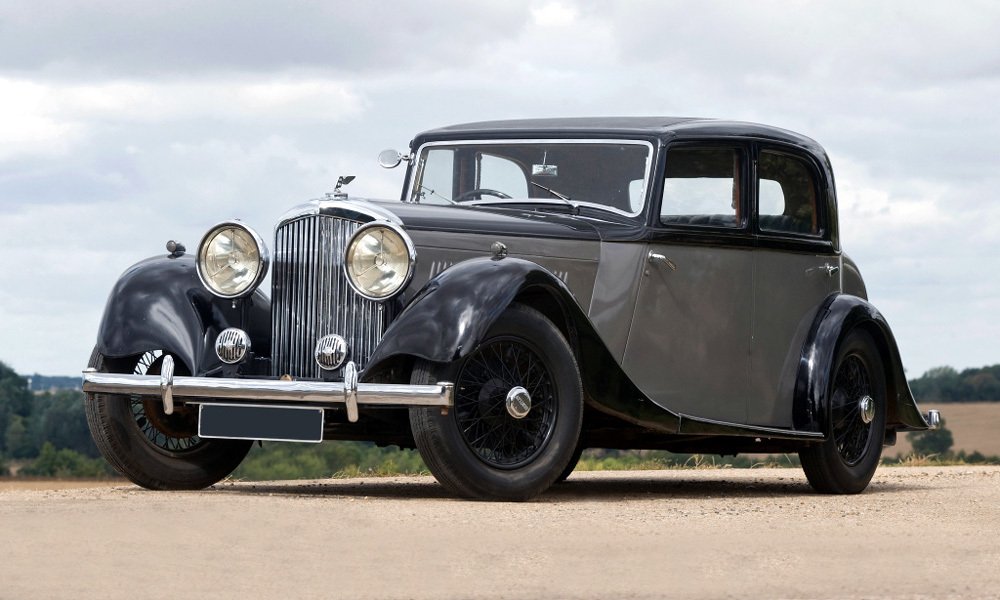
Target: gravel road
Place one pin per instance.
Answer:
(916, 533)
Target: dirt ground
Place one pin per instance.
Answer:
(916, 533)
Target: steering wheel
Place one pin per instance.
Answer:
(480, 192)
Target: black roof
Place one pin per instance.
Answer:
(660, 127)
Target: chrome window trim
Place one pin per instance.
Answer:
(411, 252)
(553, 141)
(265, 258)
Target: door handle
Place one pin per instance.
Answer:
(655, 257)
(831, 270)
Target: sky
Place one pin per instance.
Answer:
(125, 124)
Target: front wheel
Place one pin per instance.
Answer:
(517, 414)
(149, 447)
(846, 461)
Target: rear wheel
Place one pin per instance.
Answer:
(517, 415)
(149, 447)
(846, 461)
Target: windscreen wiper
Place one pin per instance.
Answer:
(562, 197)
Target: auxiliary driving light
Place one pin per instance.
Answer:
(331, 351)
(232, 345)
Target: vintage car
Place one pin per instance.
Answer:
(541, 287)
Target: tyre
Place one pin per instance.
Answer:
(517, 415)
(846, 461)
(149, 447)
(573, 461)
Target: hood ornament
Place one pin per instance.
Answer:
(337, 192)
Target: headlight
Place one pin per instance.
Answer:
(232, 260)
(379, 260)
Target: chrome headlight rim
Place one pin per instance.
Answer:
(411, 254)
(262, 251)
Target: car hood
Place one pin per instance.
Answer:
(488, 220)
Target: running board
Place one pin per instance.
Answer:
(696, 426)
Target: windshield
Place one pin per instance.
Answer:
(607, 174)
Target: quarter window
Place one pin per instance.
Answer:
(702, 187)
(786, 194)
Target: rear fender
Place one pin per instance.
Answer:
(160, 304)
(840, 314)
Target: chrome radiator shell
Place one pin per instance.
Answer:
(311, 297)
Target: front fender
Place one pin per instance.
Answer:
(160, 304)
(452, 312)
(840, 314)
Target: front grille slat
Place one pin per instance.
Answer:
(311, 297)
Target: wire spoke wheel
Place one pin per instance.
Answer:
(517, 413)
(850, 431)
(151, 448)
(173, 433)
(846, 460)
(491, 432)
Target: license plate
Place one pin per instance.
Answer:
(269, 423)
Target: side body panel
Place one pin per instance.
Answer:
(574, 262)
(160, 304)
(789, 289)
(616, 288)
(689, 346)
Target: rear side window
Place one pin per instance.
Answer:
(787, 194)
(702, 187)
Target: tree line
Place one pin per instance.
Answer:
(945, 384)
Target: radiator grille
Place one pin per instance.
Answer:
(311, 297)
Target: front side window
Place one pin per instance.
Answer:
(609, 174)
(702, 187)
(786, 194)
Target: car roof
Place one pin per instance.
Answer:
(660, 127)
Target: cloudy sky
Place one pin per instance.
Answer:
(125, 124)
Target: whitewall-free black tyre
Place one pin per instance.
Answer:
(517, 415)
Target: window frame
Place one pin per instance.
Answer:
(743, 227)
(820, 190)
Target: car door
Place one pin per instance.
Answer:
(689, 345)
(796, 266)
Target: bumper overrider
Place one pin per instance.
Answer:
(348, 393)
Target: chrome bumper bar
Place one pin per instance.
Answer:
(217, 390)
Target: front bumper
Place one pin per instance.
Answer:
(217, 390)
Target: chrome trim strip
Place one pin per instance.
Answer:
(212, 390)
(647, 188)
(355, 209)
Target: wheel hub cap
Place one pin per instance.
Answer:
(518, 402)
(866, 408)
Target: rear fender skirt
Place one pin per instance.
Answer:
(160, 304)
(840, 314)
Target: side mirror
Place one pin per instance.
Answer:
(390, 159)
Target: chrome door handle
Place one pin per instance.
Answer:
(655, 257)
(831, 270)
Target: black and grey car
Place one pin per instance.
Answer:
(541, 287)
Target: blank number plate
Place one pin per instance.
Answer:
(270, 423)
